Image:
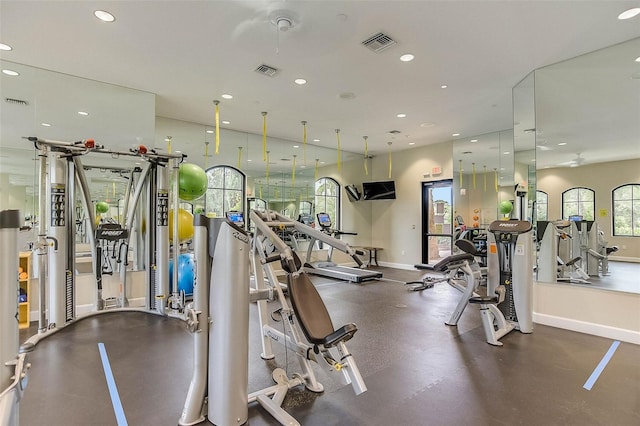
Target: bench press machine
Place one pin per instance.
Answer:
(219, 320)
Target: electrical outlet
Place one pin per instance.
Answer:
(403, 252)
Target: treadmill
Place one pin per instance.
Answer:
(331, 269)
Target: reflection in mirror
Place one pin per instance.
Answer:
(484, 176)
(587, 132)
(524, 145)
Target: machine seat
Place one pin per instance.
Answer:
(423, 266)
(444, 263)
(312, 313)
(574, 260)
(468, 247)
(482, 300)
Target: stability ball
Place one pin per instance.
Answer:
(186, 273)
(505, 207)
(185, 225)
(192, 182)
(102, 207)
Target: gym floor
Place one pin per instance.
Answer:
(418, 370)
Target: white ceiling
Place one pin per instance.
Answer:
(191, 52)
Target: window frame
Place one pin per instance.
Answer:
(224, 189)
(563, 202)
(335, 220)
(613, 210)
(546, 204)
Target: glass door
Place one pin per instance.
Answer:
(437, 220)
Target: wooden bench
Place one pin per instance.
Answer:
(373, 253)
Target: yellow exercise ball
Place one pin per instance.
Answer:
(185, 225)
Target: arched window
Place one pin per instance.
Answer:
(542, 205)
(225, 191)
(327, 197)
(579, 202)
(626, 210)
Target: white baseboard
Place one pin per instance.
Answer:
(398, 266)
(137, 302)
(615, 333)
(624, 259)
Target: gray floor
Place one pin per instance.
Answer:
(418, 370)
(623, 276)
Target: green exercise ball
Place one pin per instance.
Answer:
(192, 182)
(102, 207)
(505, 207)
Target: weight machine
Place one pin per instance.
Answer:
(219, 319)
(13, 367)
(61, 172)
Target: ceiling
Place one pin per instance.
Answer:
(189, 53)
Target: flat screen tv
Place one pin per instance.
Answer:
(385, 190)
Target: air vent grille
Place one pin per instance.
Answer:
(16, 101)
(378, 42)
(266, 70)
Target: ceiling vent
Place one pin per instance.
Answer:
(16, 101)
(266, 70)
(378, 42)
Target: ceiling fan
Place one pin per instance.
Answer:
(577, 161)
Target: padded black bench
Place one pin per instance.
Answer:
(444, 263)
(311, 311)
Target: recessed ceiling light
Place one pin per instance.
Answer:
(46, 124)
(10, 72)
(401, 115)
(137, 163)
(83, 113)
(296, 146)
(427, 124)
(209, 131)
(474, 140)
(322, 162)
(506, 153)
(638, 59)
(300, 81)
(249, 160)
(444, 86)
(225, 96)
(407, 57)
(501, 168)
(562, 144)
(5, 47)
(179, 152)
(412, 143)
(455, 134)
(316, 140)
(630, 13)
(104, 16)
(226, 122)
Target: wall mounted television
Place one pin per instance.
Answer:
(385, 190)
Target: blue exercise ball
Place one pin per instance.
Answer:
(186, 273)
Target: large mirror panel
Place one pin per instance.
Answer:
(484, 177)
(588, 159)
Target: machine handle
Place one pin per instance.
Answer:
(274, 258)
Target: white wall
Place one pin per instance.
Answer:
(397, 224)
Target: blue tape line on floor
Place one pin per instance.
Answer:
(603, 363)
(111, 384)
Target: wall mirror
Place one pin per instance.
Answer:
(483, 176)
(587, 131)
(55, 106)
